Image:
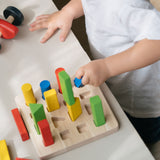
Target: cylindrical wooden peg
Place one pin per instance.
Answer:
(28, 94)
(57, 72)
(10, 19)
(45, 86)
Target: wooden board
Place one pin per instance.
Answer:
(66, 133)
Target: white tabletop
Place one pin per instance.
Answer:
(23, 59)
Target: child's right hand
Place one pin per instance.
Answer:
(94, 73)
(58, 20)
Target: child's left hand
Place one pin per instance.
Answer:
(93, 73)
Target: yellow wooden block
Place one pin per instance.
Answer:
(28, 94)
(51, 100)
(4, 154)
(75, 110)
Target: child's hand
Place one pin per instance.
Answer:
(58, 20)
(93, 73)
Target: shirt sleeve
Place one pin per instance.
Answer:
(141, 23)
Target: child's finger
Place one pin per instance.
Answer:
(38, 25)
(64, 33)
(37, 21)
(42, 16)
(85, 80)
(48, 34)
(79, 74)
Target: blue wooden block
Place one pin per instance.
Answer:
(45, 86)
(78, 82)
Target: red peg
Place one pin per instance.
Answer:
(22, 159)
(7, 30)
(45, 132)
(56, 72)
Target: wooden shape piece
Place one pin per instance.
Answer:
(78, 82)
(45, 86)
(7, 29)
(57, 71)
(45, 132)
(75, 110)
(28, 94)
(4, 154)
(51, 100)
(66, 87)
(67, 134)
(38, 114)
(20, 124)
(97, 111)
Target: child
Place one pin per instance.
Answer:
(125, 37)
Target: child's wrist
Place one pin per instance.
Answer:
(107, 68)
(69, 10)
(74, 8)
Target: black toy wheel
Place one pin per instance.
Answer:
(16, 13)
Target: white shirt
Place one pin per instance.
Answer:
(115, 25)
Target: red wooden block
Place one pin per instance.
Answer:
(7, 29)
(20, 124)
(58, 81)
(22, 159)
(46, 132)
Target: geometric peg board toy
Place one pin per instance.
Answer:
(68, 134)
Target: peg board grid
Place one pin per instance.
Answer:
(66, 133)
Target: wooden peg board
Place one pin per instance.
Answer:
(66, 133)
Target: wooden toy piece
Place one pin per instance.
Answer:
(7, 30)
(45, 132)
(38, 114)
(57, 71)
(67, 134)
(28, 94)
(97, 111)
(66, 85)
(78, 82)
(4, 154)
(22, 159)
(20, 124)
(13, 15)
(45, 86)
(75, 110)
(51, 100)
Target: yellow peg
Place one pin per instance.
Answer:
(51, 100)
(28, 94)
(74, 110)
(4, 154)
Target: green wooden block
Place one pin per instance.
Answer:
(38, 114)
(97, 111)
(66, 86)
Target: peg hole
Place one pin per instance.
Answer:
(65, 135)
